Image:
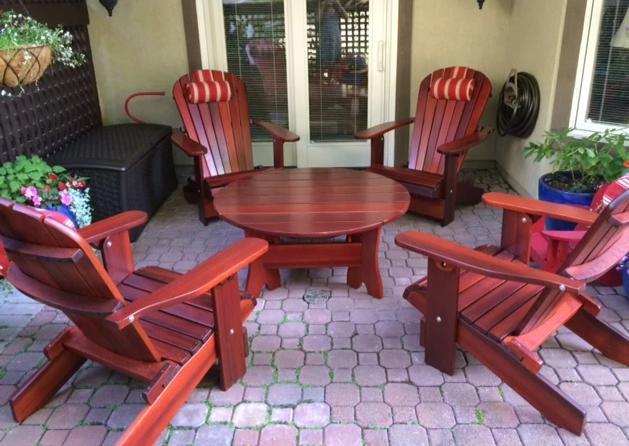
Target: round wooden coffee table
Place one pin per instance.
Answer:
(288, 206)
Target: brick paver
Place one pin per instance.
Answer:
(349, 371)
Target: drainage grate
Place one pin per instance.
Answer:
(317, 295)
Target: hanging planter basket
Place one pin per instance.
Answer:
(23, 66)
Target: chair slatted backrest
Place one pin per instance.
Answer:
(602, 247)
(221, 127)
(440, 121)
(53, 264)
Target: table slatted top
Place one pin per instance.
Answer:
(312, 203)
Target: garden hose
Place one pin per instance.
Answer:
(518, 105)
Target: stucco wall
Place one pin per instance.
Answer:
(142, 47)
(534, 45)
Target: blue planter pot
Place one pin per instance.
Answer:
(65, 210)
(549, 193)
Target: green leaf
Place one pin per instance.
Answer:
(14, 186)
(58, 169)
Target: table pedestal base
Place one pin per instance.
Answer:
(359, 253)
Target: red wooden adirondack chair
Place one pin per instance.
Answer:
(217, 134)
(501, 310)
(549, 249)
(151, 324)
(444, 130)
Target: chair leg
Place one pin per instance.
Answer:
(154, 418)
(44, 384)
(608, 340)
(537, 390)
(467, 194)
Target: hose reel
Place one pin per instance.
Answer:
(518, 105)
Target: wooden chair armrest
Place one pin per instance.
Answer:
(481, 263)
(540, 208)
(462, 145)
(563, 236)
(196, 282)
(186, 144)
(277, 132)
(115, 224)
(380, 129)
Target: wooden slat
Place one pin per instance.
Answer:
(311, 203)
(507, 307)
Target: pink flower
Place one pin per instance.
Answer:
(65, 198)
(30, 192)
(36, 200)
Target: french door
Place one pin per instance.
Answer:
(323, 68)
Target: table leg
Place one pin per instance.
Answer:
(259, 275)
(369, 270)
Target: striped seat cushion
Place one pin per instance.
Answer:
(204, 88)
(454, 87)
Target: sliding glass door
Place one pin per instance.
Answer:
(318, 67)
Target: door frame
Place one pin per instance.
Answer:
(211, 34)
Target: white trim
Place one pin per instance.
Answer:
(299, 99)
(585, 74)
(212, 23)
(393, 14)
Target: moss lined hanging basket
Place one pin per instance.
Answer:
(28, 47)
(24, 66)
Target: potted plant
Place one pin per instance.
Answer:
(27, 47)
(580, 166)
(34, 182)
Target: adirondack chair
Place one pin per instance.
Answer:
(444, 130)
(501, 310)
(151, 324)
(549, 248)
(215, 114)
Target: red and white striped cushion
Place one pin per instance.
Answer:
(452, 88)
(610, 193)
(212, 91)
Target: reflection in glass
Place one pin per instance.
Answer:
(255, 40)
(338, 43)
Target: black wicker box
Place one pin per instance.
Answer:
(130, 167)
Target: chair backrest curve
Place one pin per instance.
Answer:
(439, 121)
(221, 127)
(53, 264)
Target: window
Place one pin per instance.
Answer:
(255, 43)
(602, 96)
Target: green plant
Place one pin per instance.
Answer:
(34, 182)
(589, 162)
(480, 416)
(19, 31)
(25, 172)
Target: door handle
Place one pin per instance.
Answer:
(380, 65)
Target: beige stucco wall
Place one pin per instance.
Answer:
(142, 47)
(456, 32)
(534, 45)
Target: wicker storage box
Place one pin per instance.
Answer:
(130, 166)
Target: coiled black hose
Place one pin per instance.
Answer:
(518, 105)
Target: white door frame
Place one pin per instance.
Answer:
(381, 84)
